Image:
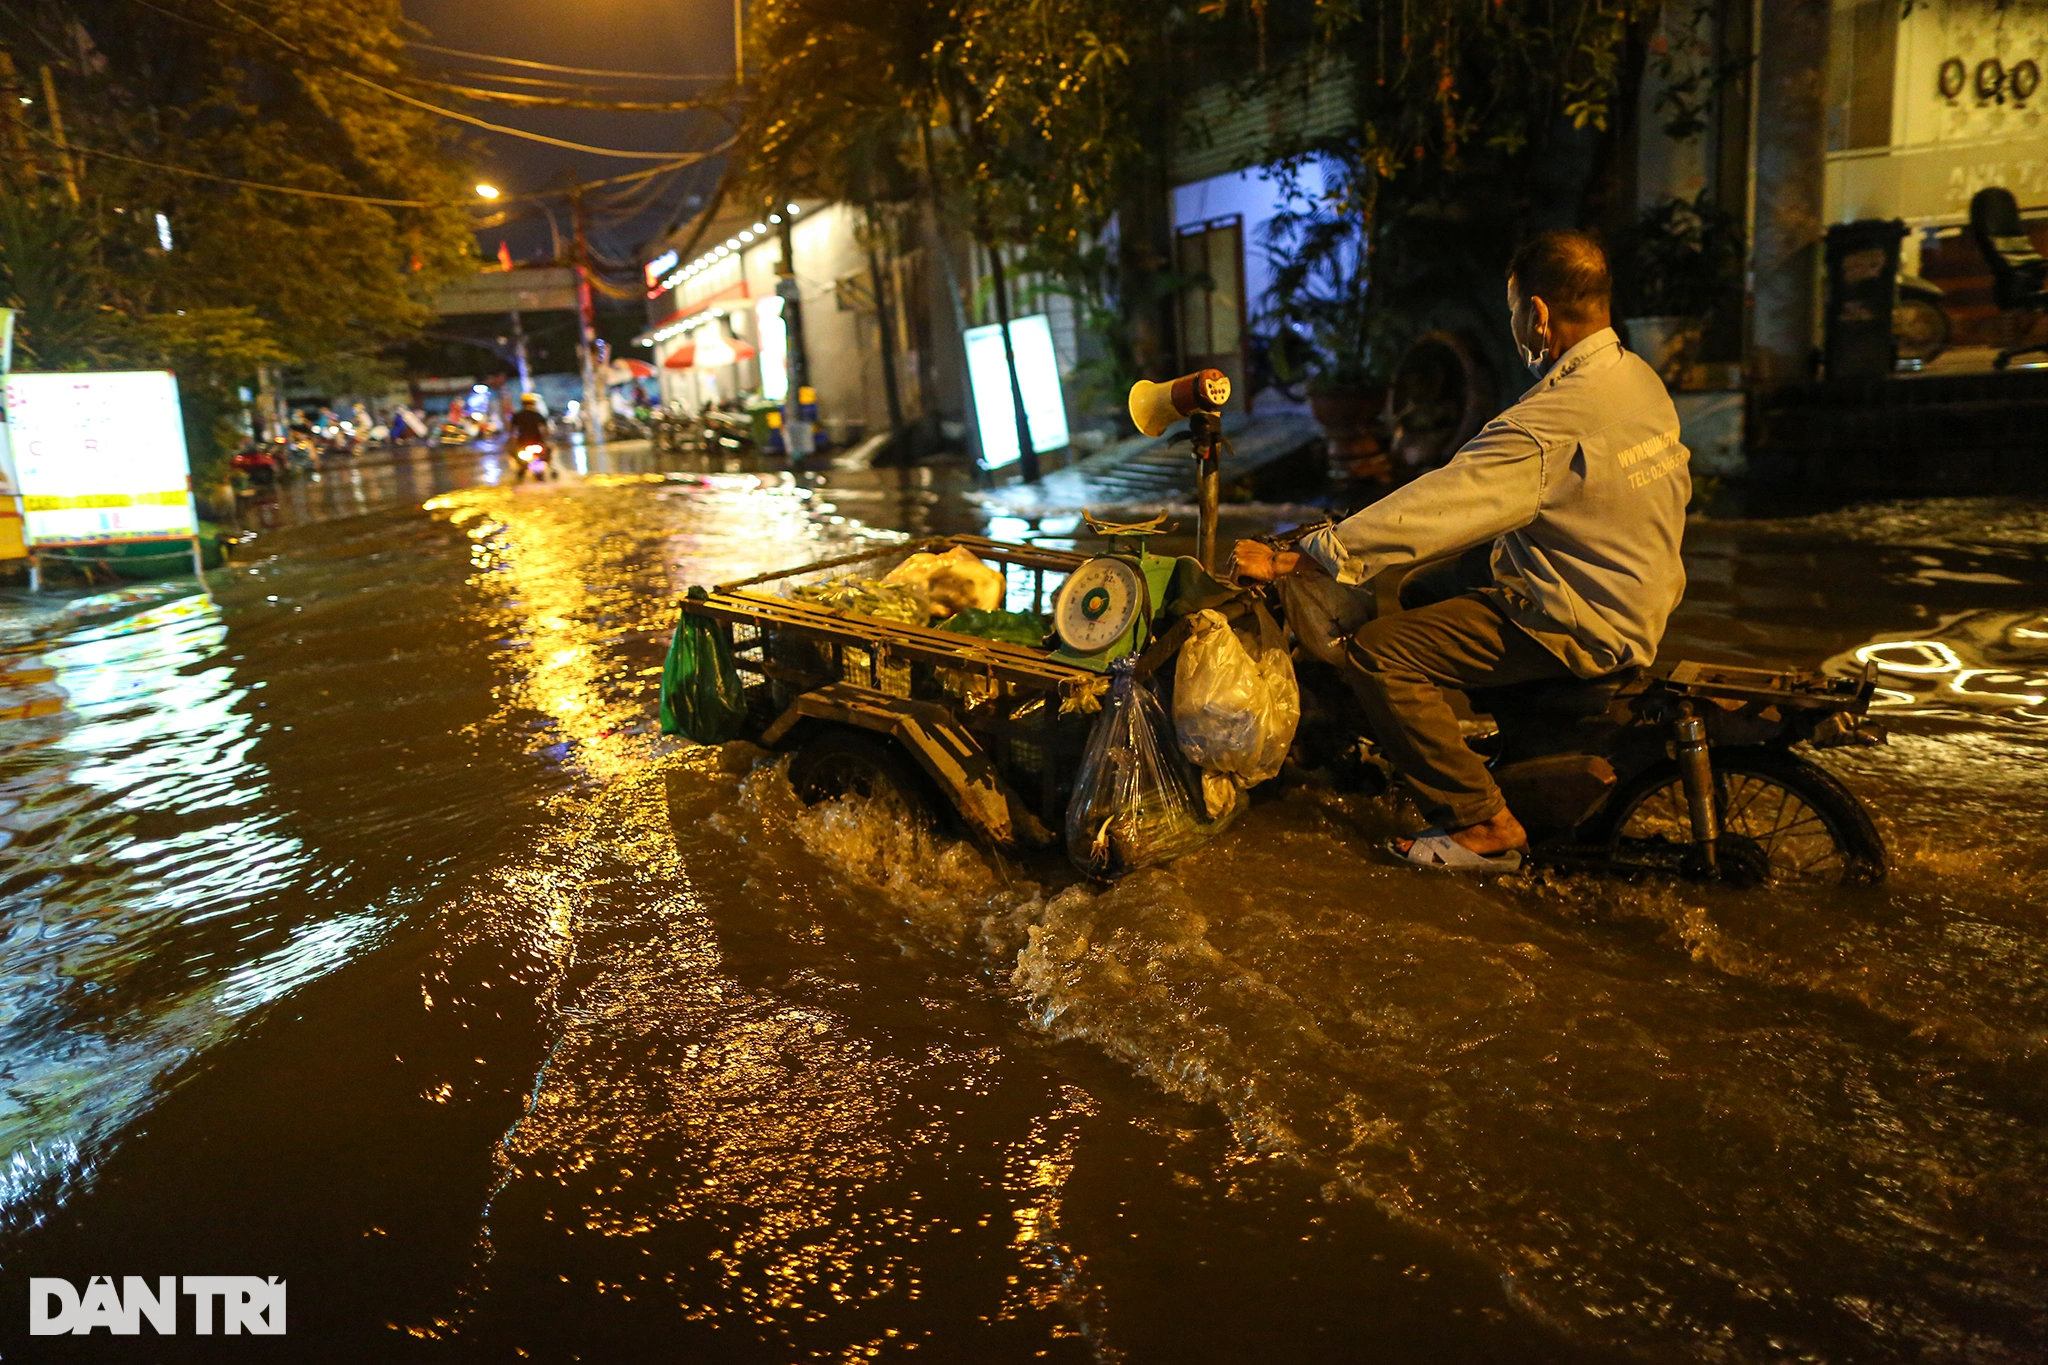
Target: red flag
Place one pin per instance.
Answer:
(504, 255)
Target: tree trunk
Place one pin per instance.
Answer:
(971, 419)
(1144, 255)
(885, 318)
(1027, 454)
(1791, 154)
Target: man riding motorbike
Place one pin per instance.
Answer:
(1566, 515)
(529, 428)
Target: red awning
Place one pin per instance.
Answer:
(730, 293)
(684, 357)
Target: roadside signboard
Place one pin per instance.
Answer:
(100, 457)
(1038, 374)
(13, 545)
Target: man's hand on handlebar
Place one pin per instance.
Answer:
(1254, 561)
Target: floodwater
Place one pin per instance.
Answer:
(362, 930)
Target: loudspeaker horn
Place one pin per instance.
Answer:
(1155, 407)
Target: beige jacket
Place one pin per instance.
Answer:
(1581, 486)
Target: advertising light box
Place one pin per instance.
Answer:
(1038, 374)
(101, 457)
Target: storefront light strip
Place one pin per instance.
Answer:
(720, 252)
(669, 329)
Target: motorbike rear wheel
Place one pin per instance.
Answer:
(1784, 820)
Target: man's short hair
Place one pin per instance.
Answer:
(1567, 270)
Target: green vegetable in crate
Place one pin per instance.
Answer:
(868, 597)
(1008, 627)
(700, 689)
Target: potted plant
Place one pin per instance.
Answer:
(1317, 305)
(1674, 267)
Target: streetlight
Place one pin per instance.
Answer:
(487, 191)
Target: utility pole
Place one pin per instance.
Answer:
(519, 354)
(739, 43)
(586, 312)
(796, 431)
(64, 167)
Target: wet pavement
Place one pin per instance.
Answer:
(362, 930)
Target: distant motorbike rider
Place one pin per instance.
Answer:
(529, 428)
(1565, 515)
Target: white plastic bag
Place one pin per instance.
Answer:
(955, 581)
(1234, 715)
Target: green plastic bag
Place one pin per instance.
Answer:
(700, 689)
(1007, 627)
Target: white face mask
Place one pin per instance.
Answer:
(1537, 361)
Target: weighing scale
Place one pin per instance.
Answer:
(1104, 610)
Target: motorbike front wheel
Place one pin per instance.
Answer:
(1784, 820)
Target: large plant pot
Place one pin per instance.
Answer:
(1669, 345)
(1350, 419)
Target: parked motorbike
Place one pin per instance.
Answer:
(1692, 770)
(258, 467)
(622, 426)
(298, 457)
(674, 430)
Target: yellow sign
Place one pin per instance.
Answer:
(47, 502)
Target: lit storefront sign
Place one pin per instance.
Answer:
(1038, 374)
(658, 267)
(101, 457)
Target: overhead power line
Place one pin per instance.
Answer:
(678, 163)
(507, 78)
(256, 184)
(404, 98)
(566, 102)
(376, 200)
(570, 70)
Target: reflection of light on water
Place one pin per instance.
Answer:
(121, 902)
(314, 950)
(1983, 662)
(1886, 658)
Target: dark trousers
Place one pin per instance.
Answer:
(1402, 665)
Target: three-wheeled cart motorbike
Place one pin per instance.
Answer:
(1689, 769)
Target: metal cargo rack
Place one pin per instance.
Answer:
(1794, 690)
(998, 727)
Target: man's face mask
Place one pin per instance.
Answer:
(1528, 339)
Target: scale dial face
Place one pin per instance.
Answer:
(1098, 605)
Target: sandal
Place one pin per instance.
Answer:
(1439, 852)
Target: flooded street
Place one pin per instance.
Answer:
(362, 929)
